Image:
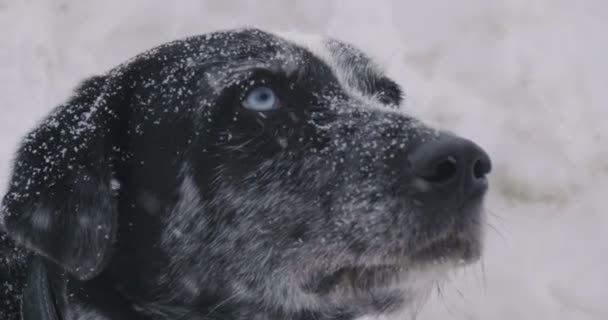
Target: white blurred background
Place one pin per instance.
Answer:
(524, 79)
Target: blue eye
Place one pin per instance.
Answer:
(261, 99)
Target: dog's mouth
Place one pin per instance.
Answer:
(355, 277)
(447, 252)
(462, 250)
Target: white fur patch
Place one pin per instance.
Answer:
(41, 219)
(319, 47)
(418, 284)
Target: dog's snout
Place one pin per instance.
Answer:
(452, 164)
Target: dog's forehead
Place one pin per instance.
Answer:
(231, 55)
(352, 67)
(356, 72)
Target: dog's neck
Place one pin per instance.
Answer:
(233, 311)
(51, 294)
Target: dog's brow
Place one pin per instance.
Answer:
(222, 75)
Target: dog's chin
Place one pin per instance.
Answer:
(382, 289)
(405, 281)
(448, 252)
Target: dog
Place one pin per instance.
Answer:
(238, 175)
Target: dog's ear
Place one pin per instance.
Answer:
(60, 201)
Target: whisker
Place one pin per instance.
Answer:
(497, 231)
(444, 303)
(501, 218)
(483, 274)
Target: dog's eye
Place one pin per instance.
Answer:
(261, 99)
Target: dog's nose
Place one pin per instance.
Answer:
(452, 164)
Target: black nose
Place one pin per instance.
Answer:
(452, 164)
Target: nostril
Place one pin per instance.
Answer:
(443, 171)
(478, 170)
(481, 168)
(452, 164)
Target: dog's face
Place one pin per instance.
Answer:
(241, 168)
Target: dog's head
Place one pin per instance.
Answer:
(247, 169)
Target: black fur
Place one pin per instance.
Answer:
(155, 195)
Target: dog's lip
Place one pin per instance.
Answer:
(461, 243)
(457, 248)
(451, 249)
(356, 276)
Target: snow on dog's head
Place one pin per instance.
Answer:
(257, 174)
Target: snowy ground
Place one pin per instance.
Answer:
(525, 79)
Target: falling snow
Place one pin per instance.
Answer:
(525, 80)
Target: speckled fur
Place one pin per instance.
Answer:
(154, 186)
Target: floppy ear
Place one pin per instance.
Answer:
(60, 201)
